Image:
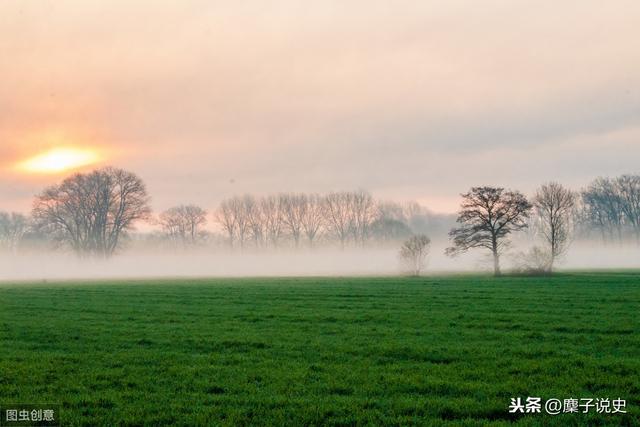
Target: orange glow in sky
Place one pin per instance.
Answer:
(410, 100)
(59, 160)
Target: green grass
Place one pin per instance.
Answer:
(322, 351)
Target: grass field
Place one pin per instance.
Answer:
(325, 351)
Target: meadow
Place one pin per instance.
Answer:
(448, 350)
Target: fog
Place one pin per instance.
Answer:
(320, 262)
(234, 104)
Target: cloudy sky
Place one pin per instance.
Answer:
(406, 98)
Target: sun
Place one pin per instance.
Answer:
(60, 160)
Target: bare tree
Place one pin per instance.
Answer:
(340, 216)
(392, 211)
(628, 191)
(414, 253)
(337, 208)
(417, 216)
(293, 208)
(313, 217)
(196, 220)
(533, 262)
(272, 214)
(603, 208)
(488, 215)
(184, 224)
(236, 216)
(363, 214)
(13, 227)
(227, 220)
(172, 226)
(554, 207)
(241, 214)
(91, 212)
(390, 223)
(256, 220)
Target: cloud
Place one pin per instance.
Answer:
(407, 98)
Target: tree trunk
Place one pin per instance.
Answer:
(552, 256)
(496, 257)
(496, 264)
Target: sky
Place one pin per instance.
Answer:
(409, 99)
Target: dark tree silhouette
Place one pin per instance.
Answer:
(91, 212)
(487, 216)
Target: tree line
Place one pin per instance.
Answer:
(270, 221)
(296, 220)
(92, 213)
(611, 207)
(489, 215)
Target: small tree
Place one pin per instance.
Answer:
(488, 215)
(533, 262)
(554, 206)
(13, 227)
(184, 224)
(414, 251)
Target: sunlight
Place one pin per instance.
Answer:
(59, 160)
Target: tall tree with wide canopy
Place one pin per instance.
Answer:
(92, 212)
(488, 215)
